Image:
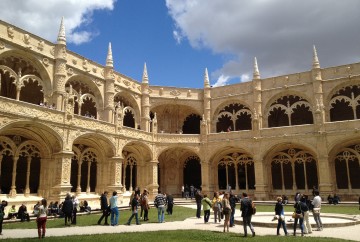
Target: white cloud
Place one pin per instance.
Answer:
(221, 81)
(43, 17)
(280, 33)
(177, 37)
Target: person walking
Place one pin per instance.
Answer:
(170, 204)
(307, 225)
(104, 208)
(216, 206)
(160, 202)
(145, 204)
(233, 200)
(198, 199)
(206, 203)
(41, 219)
(316, 210)
(67, 209)
(279, 212)
(226, 210)
(300, 207)
(114, 209)
(134, 210)
(2, 213)
(246, 213)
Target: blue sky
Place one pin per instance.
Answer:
(178, 39)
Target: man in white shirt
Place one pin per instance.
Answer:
(316, 210)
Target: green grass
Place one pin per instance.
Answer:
(179, 214)
(179, 235)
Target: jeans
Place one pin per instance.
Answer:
(217, 214)
(317, 220)
(281, 223)
(114, 216)
(206, 215)
(136, 218)
(232, 215)
(161, 212)
(247, 222)
(198, 209)
(301, 223)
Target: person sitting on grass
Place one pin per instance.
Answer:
(12, 212)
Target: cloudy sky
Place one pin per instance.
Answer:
(179, 38)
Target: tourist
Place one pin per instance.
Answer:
(2, 213)
(216, 206)
(182, 191)
(170, 204)
(134, 210)
(279, 212)
(160, 202)
(206, 203)
(54, 209)
(76, 208)
(316, 210)
(226, 210)
(104, 208)
(233, 199)
(41, 219)
(12, 212)
(300, 207)
(285, 199)
(67, 209)
(198, 199)
(306, 211)
(192, 191)
(145, 204)
(114, 209)
(330, 199)
(36, 208)
(23, 213)
(336, 199)
(246, 213)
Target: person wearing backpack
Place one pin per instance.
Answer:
(246, 213)
(2, 214)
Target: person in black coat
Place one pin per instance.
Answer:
(2, 213)
(67, 209)
(23, 214)
(170, 204)
(198, 198)
(105, 208)
(233, 200)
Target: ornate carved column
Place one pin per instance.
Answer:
(325, 180)
(1, 156)
(109, 86)
(131, 171)
(293, 176)
(27, 186)
(62, 173)
(305, 177)
(153, 188)
(124, 177)
(116, 164)
(88, 178)
(78, 185)
(13, 178)
(205, 176)
(236, 177)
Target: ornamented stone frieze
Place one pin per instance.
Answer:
(175, 92)
(41, 45)
(2, 45)
(10, 31)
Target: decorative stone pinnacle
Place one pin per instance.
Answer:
(61, 35)
(206, 78)
(109, 58)
(145, 77)
(256, 74)
(316, 63)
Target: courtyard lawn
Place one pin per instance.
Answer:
(178, 236)
(179, 214)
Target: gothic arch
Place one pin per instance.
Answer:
(293, 167)
(85, 90)
(233, 116)
(344, 102)
(287, 110)
(128, 103)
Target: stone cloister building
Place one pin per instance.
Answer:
(68, 124)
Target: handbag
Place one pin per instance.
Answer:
(316, 210)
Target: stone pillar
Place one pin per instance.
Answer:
(62, 173)
(325, 181)
(260, 183)
(154, 186)
(205, 175)
(13, 178)
(27, 186)
(116, 175)
(88, 178)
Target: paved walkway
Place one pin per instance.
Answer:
(346, 232)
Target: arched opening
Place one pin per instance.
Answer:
(192, 172)
(6, 173)
(233, 117)
(192, 124)
(129, 120)
(347, 168)
(32, 92)
(345, 104)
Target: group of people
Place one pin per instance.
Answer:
(333, 199)
(188, 191)
(303, 206)
(223, 205)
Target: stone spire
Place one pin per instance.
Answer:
(256, 74)
(61, 36)
(109, 57)
(316, 63)
(145, 77)
(206, 78)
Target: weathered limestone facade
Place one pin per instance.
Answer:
(106, 131)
